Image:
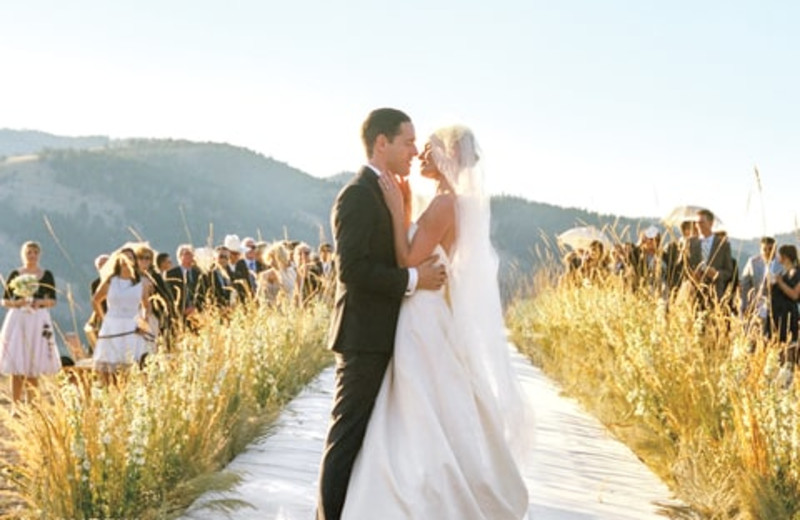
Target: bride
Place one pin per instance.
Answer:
(444, 437)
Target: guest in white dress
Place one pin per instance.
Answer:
(27, 340)
(124, 337)
(278, 281)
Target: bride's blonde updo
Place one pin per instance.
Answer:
(454, 149)
(455, 153)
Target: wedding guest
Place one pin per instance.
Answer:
(217, 286)
(268, 282)
(182, 281)
(732, 287)
(622, 259)
(261, 246)
(268, 287)
(325, 252)
(571, 262)
(709, 262)
(327, 268)
(248, 267)
(307, 281)
(123, 339)
(784, 293)
(278, 281)
(595, 263)
(163, 263)
(156, 291)
(675, 255)
(648, 263)
(234, 246)
(27, 340)
(753, 286)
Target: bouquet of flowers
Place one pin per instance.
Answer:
(24, 285)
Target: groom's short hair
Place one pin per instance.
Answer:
(384, 121)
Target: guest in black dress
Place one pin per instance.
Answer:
(27, 340)
(784, 293)
(159, 295)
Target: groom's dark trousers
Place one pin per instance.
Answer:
(369, 290)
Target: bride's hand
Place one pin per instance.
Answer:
(405, 190)
(392, 194)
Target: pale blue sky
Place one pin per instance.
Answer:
(626, 107)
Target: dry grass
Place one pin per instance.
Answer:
(7, 503)
(678, 386)
(148, 446)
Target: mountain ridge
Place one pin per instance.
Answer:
(81, 197)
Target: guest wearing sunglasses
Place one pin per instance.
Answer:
(217, 286)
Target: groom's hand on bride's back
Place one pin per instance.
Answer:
(429, 275)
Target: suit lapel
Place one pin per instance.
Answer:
(369, 178)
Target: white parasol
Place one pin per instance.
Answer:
(582, 237)
(687, 212)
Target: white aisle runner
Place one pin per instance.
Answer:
(579, 472)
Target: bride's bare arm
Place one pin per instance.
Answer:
(432, 227)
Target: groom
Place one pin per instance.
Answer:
(370, 287)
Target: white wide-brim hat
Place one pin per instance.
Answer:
(232, 243)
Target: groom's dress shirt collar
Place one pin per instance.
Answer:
(374, 169)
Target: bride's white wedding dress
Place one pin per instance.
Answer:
(434, 448)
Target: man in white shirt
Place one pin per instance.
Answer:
(753, 286)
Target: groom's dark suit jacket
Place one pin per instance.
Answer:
(369, 289)
(370, 286)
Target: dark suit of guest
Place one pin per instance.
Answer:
(648, 270)
(719, 258)
(183, 287)
(245, 276)
(369, 290)
(311, 285)
(674, 261)
(163, 304)
(217, 286)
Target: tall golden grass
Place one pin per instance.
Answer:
(678, 385)
(147, 446)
